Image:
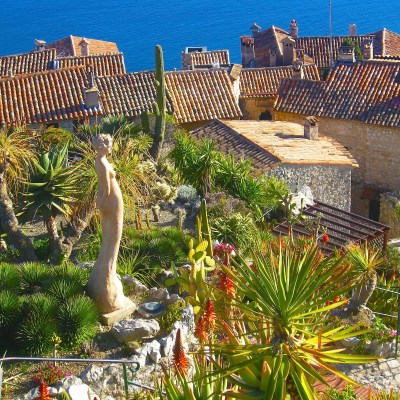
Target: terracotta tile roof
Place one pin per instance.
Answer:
(322, 48)
(230, 142)
(206, 58)
(270, 38)
(44, 97)
(192, 95)
(100, 64)
(69, 46)
(129, 94)
(286, 142)
(26, 63)
(386, 43)
(201, 95)
(263, 82)
(367, 91)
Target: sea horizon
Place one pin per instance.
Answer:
(138, 27)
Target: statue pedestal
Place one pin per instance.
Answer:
(115, 316)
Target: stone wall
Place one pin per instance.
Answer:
(330, 184)
(388, 214)
(252, 108)
(376, 148)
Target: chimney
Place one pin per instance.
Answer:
(247, 51)
(288, 50)
(84, 45)
(40, 45)
(311, 128)
(255, 29)
(272, 57)
(91, 93)
(298, 72)
(346, 54)
(352, 30)
(368, 49)
(293, 28)
(186, 61)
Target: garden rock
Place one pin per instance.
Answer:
(350, 343)
(154, 351)
(134, 285)
(173, 299)
(76, 389)
(128, 330)
(158, 294)
(93, 373)
(188, 318)
(85, 265)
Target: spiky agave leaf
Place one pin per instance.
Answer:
(33, 277)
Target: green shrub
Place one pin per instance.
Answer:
(42, 248)
(171, 315)
(9, 277)
(62, 290)
(77, 320)
(10, 314)
(348, 393)
(34, 277)
(37, 328)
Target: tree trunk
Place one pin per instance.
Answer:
(55, 241)
(362, 294)
(9, 223)
(74, 230)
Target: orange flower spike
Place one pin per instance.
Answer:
(180, 361)
(43, 391)
(209, 315)
(200, 331)
(227, 285)
(325, 238)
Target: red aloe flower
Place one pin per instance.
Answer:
(180, 360)
(43, 391)
(209, 315)
(325, 238)
(200, 331)
(226, 284)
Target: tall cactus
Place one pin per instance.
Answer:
(159, 106)
(203, 227)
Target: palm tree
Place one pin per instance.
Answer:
(16, 154)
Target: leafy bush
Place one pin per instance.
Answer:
(42, 248)
(77, 320)
(154, 249)
(171, 315)
(348, 393)
(188, 195)
(33, 277)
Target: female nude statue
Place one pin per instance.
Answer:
(104, 287)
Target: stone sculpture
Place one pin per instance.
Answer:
(104, 287)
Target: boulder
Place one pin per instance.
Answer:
(135, 329)
(158, 294)
(93, 373)
(134, 286)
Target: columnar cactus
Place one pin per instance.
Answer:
(159, 106)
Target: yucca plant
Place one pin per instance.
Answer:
(365, 260)
(280, 345)
(77, 320)
(62, 289)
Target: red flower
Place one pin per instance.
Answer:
(209, 316)
(226, 284)
(325, 238)
(180, 360)
(336, 299)
(200, 331)
(328, 303)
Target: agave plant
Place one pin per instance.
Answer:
(279, 346)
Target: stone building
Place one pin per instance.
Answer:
(358, 105)
(200, 57)
(259, 87)
(292, 152)
(276, 47)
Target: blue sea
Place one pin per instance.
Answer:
(138, 25)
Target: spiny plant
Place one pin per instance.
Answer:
(33, 277)
(9, 277)
(10, 314)
(77, 320)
